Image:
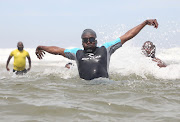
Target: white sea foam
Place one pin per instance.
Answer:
(127, 60)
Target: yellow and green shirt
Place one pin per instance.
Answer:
(19, 59)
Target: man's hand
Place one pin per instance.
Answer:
(40, 53)
(152, 22)
(159, 62)
(7, 69)
(28, 69)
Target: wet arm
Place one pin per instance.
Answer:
(29, 60)
(9, 58)
(159, 62)
(162, 64)
(134, 31)
(40, 51)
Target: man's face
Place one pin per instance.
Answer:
(149, 49)
(20, 46)
(89, 43)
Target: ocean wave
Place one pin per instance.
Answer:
(126, 63)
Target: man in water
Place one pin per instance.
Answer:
(93, 61)
(19, 60)
(149, 50)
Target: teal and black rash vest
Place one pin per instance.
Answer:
(96, 64)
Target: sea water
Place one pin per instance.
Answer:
(137, 90)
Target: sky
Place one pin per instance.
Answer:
(61, 22)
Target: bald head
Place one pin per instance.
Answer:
(20, 46)
(19, 43)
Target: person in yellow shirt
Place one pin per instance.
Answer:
(19, 60)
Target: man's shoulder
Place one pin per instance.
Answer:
(72, 50)
(14, 51)
(111, 43)
(25, 51)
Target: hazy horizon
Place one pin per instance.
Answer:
(60, 23)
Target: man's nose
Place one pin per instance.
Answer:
(88, 42)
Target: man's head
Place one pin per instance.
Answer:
(149, 49)
(89, 41)
(20, 46)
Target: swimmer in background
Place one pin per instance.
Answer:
(149, 50)
(19, 60)
(69, 65)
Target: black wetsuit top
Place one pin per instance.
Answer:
(96, 64)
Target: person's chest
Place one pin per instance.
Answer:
(19, 54)
(100, 55)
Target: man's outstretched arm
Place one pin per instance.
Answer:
(134, 31)
(159, 62)
(40, 51)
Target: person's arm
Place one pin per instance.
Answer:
(40, 51)
(29, 60)
(159, 62)
(134, 31)
(8, 63)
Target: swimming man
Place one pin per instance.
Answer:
(93, 61)
(149, 50)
